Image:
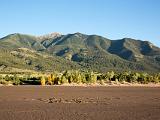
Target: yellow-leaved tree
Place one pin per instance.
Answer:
(43, 81)
(49, 80)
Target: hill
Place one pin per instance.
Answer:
(76, 51)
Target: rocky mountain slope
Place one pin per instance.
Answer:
(77, 51)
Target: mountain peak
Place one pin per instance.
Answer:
(50, 36)
(78, 33)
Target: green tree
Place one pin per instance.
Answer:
(7, 78)
(110, 75)
(156, 78)
(63, 79)
(135, 76)
(83, 78)
(16, 80)
(2, 81)
(143, 78)
(91, 77)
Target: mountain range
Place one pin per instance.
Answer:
(57, 52)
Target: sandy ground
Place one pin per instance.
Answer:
(79, 103)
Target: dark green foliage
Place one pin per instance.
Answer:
(30, 81)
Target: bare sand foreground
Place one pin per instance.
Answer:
(79, 103)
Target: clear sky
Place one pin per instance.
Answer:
(114, 19)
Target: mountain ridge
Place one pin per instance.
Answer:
(90, 52)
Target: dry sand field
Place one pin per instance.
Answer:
(79, 103)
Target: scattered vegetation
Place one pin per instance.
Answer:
(79, 77)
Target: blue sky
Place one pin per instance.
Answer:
(114, 19)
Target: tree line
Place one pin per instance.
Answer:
(82, 77)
